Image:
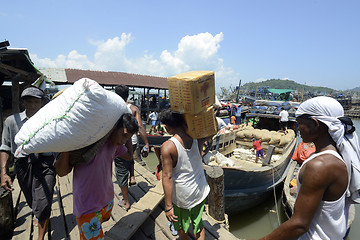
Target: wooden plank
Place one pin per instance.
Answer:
(65, 184)
(145, 173)
(216, 229)
(57, 223)
(136, 216)
(158, 215)
(23, 223)
(127, 225)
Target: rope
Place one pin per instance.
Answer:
(275, 199)
(225, 221)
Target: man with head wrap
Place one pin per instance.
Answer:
(329, 180)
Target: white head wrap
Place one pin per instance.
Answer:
(330, 112)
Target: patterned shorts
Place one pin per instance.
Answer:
(90, 224)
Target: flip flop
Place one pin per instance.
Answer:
(132, 183)
(172, 229)
(126, 209)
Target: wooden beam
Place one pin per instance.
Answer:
(14, 69)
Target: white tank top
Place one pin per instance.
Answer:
(189, 182)
(134, 138)
(330, 219)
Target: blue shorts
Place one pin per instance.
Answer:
(153, 122)
(260, 152)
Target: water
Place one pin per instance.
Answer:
(264, 218)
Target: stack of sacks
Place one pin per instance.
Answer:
(286, 139)
(270, 137)
(193, 95)
(82, 115)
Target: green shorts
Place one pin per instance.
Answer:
(186, 216)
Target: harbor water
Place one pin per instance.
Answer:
(264, 218)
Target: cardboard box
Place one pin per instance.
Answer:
(192, 92)
(202, 124)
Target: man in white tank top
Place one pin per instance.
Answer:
(321, 208)
(184, 181)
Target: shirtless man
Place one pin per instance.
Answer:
(321, 210)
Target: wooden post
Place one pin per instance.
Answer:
(158, 101)
(215, 179)
(268, 156)
(15, 93)
(6, 214)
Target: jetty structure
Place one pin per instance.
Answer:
(145, 220)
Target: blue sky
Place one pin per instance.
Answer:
(316, 42)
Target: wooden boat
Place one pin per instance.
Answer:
(289, 194)
(154, 139)
(247, 183)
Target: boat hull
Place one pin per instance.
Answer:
(154, 140)
(246, 188)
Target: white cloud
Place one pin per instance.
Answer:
(72, 60)
(196, 52)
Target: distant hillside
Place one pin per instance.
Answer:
(286, 84)
(357, 89)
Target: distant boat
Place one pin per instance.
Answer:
(247, 184)
(289, 195)
(154, 139)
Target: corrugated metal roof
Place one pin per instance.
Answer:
(63, 76)
(57, 75)
(116, 78)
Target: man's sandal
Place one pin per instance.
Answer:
(125, 208)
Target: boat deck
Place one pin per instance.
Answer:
(145, 220)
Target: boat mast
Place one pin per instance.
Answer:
(237, 92)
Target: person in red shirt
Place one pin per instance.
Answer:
(259, 149)
(303, 151)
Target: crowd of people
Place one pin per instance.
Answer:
(328, 179)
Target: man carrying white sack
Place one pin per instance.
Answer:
(35, 173)
(329, 180)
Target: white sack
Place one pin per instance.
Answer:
(79, 117)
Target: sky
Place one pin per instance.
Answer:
(313, 42)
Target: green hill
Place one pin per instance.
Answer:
(286, 84)
(357, 89)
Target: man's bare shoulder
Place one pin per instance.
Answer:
(134, 108)
(324, 168)
(168, 146)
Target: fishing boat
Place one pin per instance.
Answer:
(154, 139)
(290, 191)
(247, 183)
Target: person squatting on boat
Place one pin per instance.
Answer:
(329, 180)
(184, 181)
(35, 172)
(123, 167)
(93, 188)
